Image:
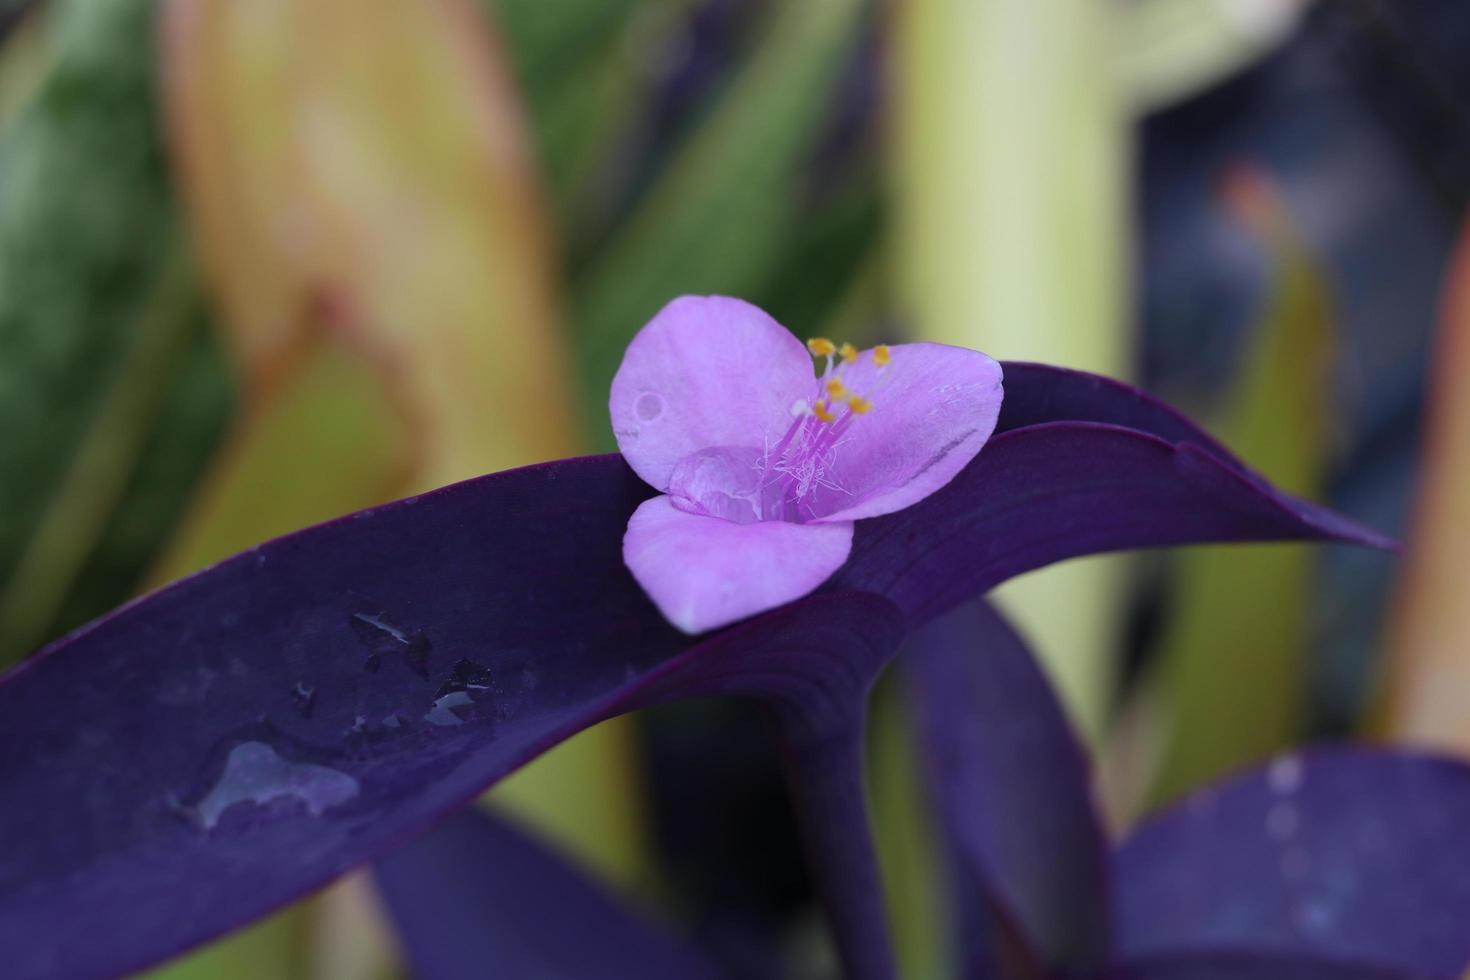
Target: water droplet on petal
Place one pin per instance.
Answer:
(649, 406)
(255, 773)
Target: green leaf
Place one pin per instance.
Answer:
(720, 215)
(1234, 650)
(99, 323)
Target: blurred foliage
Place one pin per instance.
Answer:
(925, 936)
(1234, 653)
(1430, 641)
(721, 212)
(1010, 158)
(89, 258)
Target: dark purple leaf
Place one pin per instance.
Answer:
(1048, 492)
(308, 705)
(475, 897)
(1256, 966)
(1012, 787)
(1356, 854)
(1036, 394)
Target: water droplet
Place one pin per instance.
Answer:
(254, 773)
(377, 622)
(390, 720)
(467, 683)
(442, 713)
(382, 637)
(466, 676)
(305, 698)
(649, 406)
(1282, 821)
(1285, 774)
(359, 724)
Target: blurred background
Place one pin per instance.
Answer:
(263, 262)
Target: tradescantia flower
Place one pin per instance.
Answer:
(763, 468)
(233, 741)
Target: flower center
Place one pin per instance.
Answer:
(793, 480)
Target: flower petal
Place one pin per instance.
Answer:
(705, 371)
(933, 408)
(475, 891)
(1353, 853)
(704, 572)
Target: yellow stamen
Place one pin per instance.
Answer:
(821, 346)
(881, 356)
(849, 353)
(836, 389)
(859, 404)
(819, 409)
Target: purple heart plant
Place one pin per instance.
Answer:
(225, 745)
(1325, 864)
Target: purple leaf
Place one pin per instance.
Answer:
(1012, 788)
(476, 897)
(1351, 853)
(1049, 492)
(312, 703)
(1040, 393)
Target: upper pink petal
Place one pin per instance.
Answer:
(704, 572)
(934, 406)
(706, 371)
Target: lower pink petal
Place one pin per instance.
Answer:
(704, 572)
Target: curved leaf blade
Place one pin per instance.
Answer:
(1013, 787)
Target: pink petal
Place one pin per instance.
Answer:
(934, 406)
(704, 572)
(706, 371)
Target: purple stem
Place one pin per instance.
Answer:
(823, 753)
(814, 676)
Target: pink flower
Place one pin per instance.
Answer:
(763, 466)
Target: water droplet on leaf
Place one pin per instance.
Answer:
(255, 773)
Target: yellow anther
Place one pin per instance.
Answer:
(859, 404)
(819, 409)
(821, 346)
(836, 389)
(881, 356)
(849, 353)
